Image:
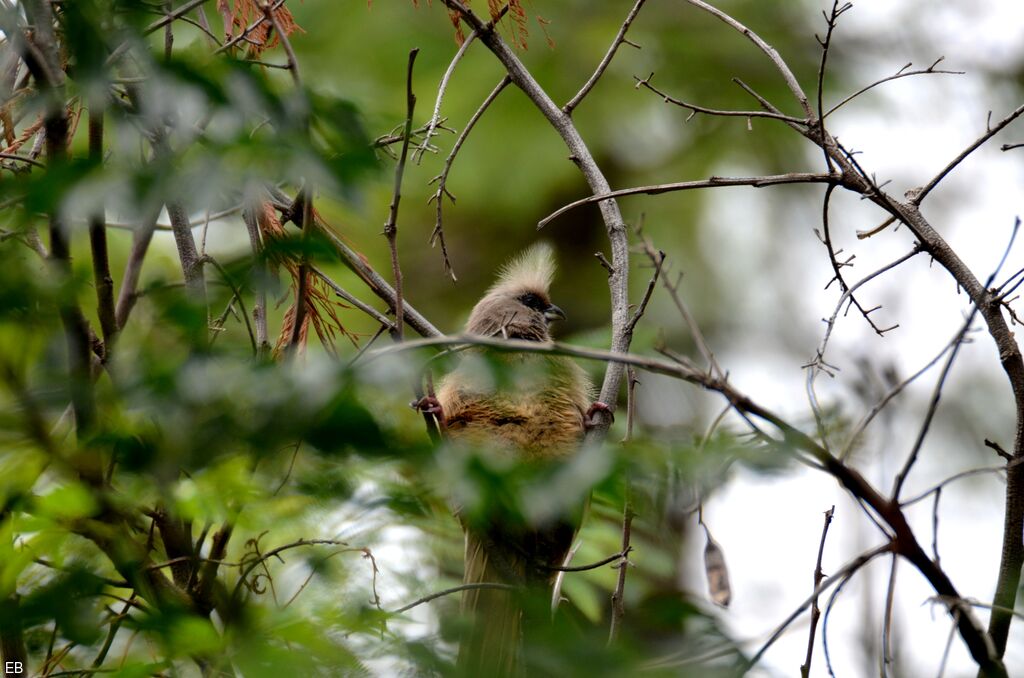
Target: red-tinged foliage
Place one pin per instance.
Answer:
(321, 306)
(240, 14)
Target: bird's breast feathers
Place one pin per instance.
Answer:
(533, 407)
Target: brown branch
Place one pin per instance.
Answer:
(603, 65)
(12, 638)
(840, 575)
(355, 301)
(902, 73)
(391, 225)
(769, 51)
(618, 595)
(98, 240)
(302, 288)
(20, 158)
(620, 556)
(442, 178)
(270, 14)
(252, 564)
(854, 178)
(885, 660)
(44, 64)
(141, 238)
(990, 132)
(250, 215)
(454, 589)
(694, 108)
(188, 254)
(713, 182)
(805, 668)
(173, 16)
(933, 406)
(831, 19)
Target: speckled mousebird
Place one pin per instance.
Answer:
(538, 413)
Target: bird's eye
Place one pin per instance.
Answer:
(534, 301)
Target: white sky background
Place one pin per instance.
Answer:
(769, 527)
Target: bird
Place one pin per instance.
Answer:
(538, 413)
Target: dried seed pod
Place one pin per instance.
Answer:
(716, 571)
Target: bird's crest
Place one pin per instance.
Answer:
(533, 270)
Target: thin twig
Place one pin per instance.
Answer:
(933, 406)
(885, 660)
(769, 51)
(442, 178)
(248, 566)
(990, 132)
(658, 259)
(391, 225)
(846, 570)
(102, 279)
(454, 589)
(694, 108)
(270, 14)
(618, 595)
(805, 668)
(902, 73)
(984, 470)
(260, 273)
(417, 154)
(620, 556)
(620, 38)
(355, 301)
(713, 182)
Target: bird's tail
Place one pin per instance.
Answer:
(492, 644)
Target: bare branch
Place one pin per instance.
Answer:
(435, 119)
(841, 574)
(259, 311)
(358, 303)
(770, 52)
(805, 668)
(902, 73)
(646, 83)
(391, 225)
(885, 660)
(713, 182)
(442, 178)
(454, 589)
(933, 405)
(609, 55)
(990, 132)
(270, 15)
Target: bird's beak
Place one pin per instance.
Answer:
(552, 313)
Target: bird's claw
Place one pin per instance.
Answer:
(428, 405)
(591, 418)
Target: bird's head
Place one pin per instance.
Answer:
(517, 306)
